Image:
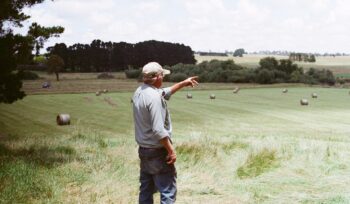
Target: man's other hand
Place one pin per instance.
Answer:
(171, 158)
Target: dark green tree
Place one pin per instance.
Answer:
(239, 52)
(40, 35)
(55, 65)
(312, 58)
(17, 49)
(269, 63)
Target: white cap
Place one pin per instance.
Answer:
(154, 68)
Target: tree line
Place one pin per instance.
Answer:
(99, 56)
(269, 71)
(302, 57)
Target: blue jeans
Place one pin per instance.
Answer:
(156, 174)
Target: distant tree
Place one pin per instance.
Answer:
(287, 66)
(55, 64)
(269, 63)
(302, 57)
(17, 49)
(61, 50)
(312, 58)
(239, 52)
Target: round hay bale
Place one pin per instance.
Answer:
(63, 119)
(236, 90)
(98, 93)
(212, 96)
(105, 90)
(314, 95)
(285, 90)
(46, 85)
(304, 102)
(189, 96)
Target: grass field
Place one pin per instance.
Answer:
(340, 65)
(257, 146)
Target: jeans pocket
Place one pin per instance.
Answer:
(156, 165)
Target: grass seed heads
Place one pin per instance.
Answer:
(304, 102)
(212, 96)
(314, 95)
(189, 96)
(63, 119)
(285, 90)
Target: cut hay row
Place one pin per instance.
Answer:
(303, 101)
(98, 93)
(236, 90)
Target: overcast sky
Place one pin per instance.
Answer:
(215, 25)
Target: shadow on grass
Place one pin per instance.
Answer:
(29, 174)
(42, 156)
(198, 150)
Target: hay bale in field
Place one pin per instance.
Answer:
(63, 119)
(98, 93)
(236, 90)
(212, 96)
(189, 96)
(314, 95)
(46, 85)
(285, 90)
(105, 90)
(304, 102)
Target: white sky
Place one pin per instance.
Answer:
(215, 25)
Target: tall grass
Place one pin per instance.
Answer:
(258, 163)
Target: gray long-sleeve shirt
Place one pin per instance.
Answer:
(151, 115)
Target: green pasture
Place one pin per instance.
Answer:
(340, 65)
(257, 146)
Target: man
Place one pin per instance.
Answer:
(153, 134)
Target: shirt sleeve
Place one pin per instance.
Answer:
(166, 93)
(157, 118)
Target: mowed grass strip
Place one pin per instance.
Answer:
(90, 161)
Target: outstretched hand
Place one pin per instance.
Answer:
(191, 81)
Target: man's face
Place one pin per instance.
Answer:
(159, 80)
